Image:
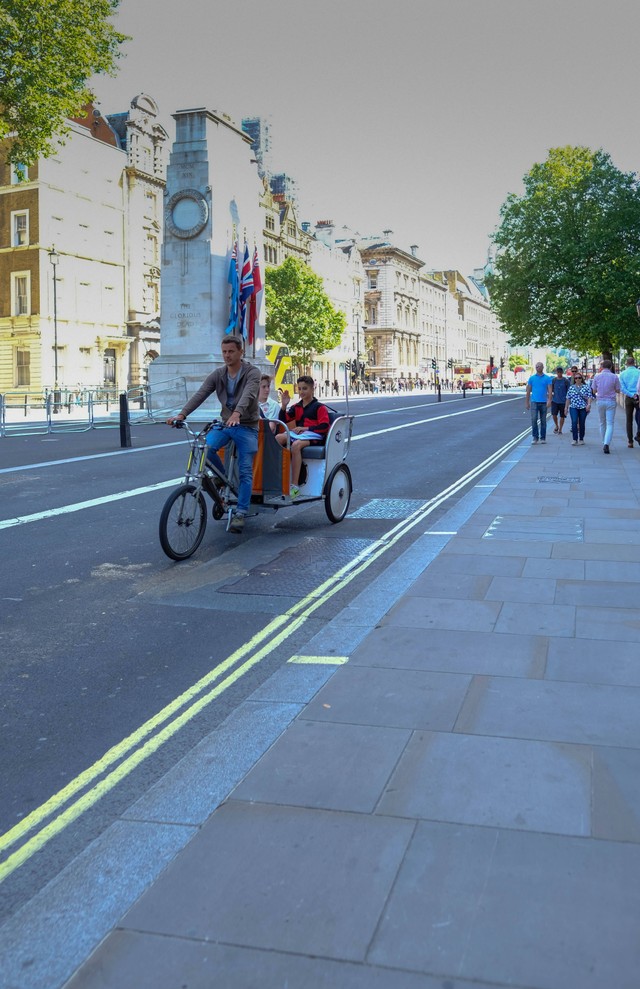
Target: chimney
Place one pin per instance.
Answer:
(414, 250)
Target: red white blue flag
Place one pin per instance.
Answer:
(233, 282)
(257, 286)
(246, 290)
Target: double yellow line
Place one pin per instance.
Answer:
(202, 693)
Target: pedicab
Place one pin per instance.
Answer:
(325, 477)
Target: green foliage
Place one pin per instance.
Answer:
(552, 361)
(299, 312)
(517, 360)
(48, 51)
(567, 269)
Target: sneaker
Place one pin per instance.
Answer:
(574, 442)
(533, 442)
(294, 492)
(605, 448)
(237, 523)
(581, 442)
(543, 441)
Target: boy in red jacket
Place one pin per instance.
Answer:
(310, 425)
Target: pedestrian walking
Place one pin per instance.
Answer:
(537, 399)
(559, 391)
(605, 386)
(629, 380)
(578, 405)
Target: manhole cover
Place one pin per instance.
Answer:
(300, 569)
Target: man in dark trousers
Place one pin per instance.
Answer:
(236, 386)
(560, 387)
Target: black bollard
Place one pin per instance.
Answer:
(439, 393)
(125, 428)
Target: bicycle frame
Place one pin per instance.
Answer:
(202, 472)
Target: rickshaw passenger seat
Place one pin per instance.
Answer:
(318, 452)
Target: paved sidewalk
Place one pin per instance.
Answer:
(458, 805)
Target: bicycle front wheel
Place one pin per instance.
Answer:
(183, 522)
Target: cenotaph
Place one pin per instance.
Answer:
(212, 199)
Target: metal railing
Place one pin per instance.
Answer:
(24, 412)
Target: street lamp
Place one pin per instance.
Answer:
(54, 257)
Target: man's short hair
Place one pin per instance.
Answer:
(631, 360)
(305, 379)
(233, 338)
(265, 377)
(607, 364)
(559, 369)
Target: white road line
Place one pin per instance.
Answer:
(422, 422)
(89, 456)
(78, 506)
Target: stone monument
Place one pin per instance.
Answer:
(212, 199)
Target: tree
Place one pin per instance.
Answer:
(299, 312)
(567, 269)
(48, 51)
(553, 361)
(517, 360)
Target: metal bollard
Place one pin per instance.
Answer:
(125, 428)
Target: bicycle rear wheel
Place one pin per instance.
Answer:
(183, 522)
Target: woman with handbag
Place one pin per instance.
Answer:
(578, 405)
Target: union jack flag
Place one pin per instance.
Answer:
(257, 286)
(246, 290)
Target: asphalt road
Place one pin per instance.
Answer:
(100, 631)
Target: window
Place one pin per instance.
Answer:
(270, 223)
(291, 229)
(20, 228)
(21, 293)
(373, 279)
(23, 367)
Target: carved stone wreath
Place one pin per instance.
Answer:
(186, 213)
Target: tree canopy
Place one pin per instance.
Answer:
(49, 49)
(517, 360)
(567, 268)
(299, 312)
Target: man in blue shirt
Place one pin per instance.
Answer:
(537, 398)
(629, 387)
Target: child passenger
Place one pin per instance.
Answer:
(311, 425)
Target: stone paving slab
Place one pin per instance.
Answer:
(555, 569)
(587, 660)
(549, 911)
(430, 612)
(302, 871)
(585, 713)
(613, 624)
(453, 651)
(599, 593)
(526, 589)
(469, 587)
(130, 959)
(336, 767)
(506, 566)
(395, 698)
(518, 617)
(500, 782)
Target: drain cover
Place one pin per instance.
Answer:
(560, 480)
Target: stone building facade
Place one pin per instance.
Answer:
(99, 205)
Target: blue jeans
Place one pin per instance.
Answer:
(578, 422)
(539, 409)
(246, 442)
(606, 415)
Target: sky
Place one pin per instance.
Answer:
(410, 115)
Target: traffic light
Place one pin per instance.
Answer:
(491, 362)
(450, 363)
(347, 364)
(502, 362)
(434, 364)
